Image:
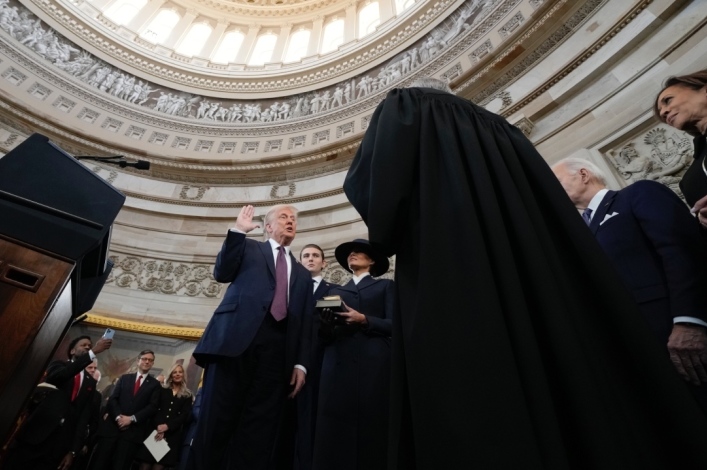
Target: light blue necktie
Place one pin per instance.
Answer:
(587, 216)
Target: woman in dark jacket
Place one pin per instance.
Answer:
(682, 104)
(174, 409)
(352, 417)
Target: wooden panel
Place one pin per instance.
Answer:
(35, 313)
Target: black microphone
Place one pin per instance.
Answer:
(118, 160)
(138, 165)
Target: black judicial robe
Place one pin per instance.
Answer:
(516, 345)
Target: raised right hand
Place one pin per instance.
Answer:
(244, 222)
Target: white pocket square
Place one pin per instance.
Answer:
(608, 216)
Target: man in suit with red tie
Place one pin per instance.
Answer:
(56, 427)
(257, 342)
(131, 406)
(656, 247)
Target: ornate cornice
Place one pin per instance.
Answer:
(217, 78)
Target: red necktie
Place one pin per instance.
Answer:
(77, 386)
(137, 385)
(278, 309)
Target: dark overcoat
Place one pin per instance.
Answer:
(352, 415)
(517, 345)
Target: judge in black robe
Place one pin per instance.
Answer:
(516, 345)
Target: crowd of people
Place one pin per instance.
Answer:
(527, 336)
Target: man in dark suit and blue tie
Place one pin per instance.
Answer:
(657, 249)
(257, 342)
(130, 409)
(56, 429)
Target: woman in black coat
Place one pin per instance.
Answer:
(682, 104)
(174, 409)
(352, 417)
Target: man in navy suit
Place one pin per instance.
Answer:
(56, 428)
(130, 409)
(257, 342)
(657, 249)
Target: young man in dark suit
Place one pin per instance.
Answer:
(130, 408)
(312, 258)
(257, 342)
(55, 430)
(657, 249)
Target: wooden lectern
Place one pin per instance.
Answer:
(55, 222)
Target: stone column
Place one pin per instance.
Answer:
(350, 23)
(316, 36)
(141, 19)
(279, 51)
(214, 39)
(385, 10)
(248, 43)
(180, 28)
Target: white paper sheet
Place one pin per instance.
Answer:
(158, 449)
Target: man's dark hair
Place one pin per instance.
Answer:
(74, 342)
(146, 351)
(311, 245)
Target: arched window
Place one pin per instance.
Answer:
(160, 27)
(297, 48)
(195, 39)
(333, 36)
(229, 47)
(368, 19)
(122, 11)
(264, 47)
(402, 5)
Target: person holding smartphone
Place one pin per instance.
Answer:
(55, 429)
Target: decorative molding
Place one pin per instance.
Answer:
(193, 193)
(273, 145)
(14, 76)
(296, 142)
(320, 137)
(452, 73)
(158, 138)
(181, 143)
(179, 332)
(135, 132)
(39, 91)
(344, 129)
(511, 25)
(112, 125)
(88, 115)
(64, 104)
(275, 191)
(250, 147)
(203, 145)
(480, 52)
(164, 277)
(377, 46)
(662, 154)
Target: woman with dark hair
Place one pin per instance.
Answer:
(682, 104)
(175, 405)
(352, 415)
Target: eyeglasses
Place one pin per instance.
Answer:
(147, 359)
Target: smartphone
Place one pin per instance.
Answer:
(109, 333)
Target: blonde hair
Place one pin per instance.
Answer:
(183, 390)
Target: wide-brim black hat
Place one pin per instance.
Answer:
(381, 263)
